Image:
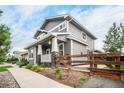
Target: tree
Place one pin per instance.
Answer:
(4, 40)
(115, 38)
(1, 12)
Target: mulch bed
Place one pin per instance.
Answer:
(7, 80)
(70, 78)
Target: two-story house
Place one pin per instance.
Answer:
(62, 34)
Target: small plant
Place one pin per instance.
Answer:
(36, 68)
(29, 66)
(82, 79)
(58, 73)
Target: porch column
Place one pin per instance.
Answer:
(54, 44)
(55, 51)
(39, 49)
(34, 54)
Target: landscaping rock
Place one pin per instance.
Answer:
(7, 80)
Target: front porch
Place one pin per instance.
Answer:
(41, 52)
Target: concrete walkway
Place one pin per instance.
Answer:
(30, 79)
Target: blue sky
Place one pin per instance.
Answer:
(25, 20)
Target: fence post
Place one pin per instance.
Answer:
(91, 63)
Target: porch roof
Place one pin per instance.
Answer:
(47, 37)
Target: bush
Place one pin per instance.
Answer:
(21, 63)
(29, 66)
(122, 67)
(36, 68)
(2, 59)
(12, 60)
(58, 73)
(44, 65)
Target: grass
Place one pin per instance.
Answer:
(4, 68)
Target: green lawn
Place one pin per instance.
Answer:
(4, 68)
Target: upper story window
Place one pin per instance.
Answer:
(84, 36)
(62, 26)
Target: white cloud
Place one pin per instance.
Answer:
(21, 36)
(98, 20)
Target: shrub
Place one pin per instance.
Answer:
(21, 63)
(2, 59)
(12, 60)
(122, 67)
(36, 68)
(58, 73)
(29, 66)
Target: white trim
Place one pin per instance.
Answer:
(71, 41)
(63, 47)
(67, 25)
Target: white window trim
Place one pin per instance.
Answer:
(64, 23)
(82, 36)
(63, 47)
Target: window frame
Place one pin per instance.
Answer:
(82, 34)
(63, 26)
(62, 46)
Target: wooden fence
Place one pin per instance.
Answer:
(110, 60)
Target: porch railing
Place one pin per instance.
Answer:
(46, 58)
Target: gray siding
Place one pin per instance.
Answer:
(77, 33)
(57, 30)
(78, 48)
(90, 43)
(61, 37)
(51, 24)
(67, 47)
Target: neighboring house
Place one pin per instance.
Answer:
(24, 55)
(21, 55)
(62, 34)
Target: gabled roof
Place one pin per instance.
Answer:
(69, 18)
(38, 32)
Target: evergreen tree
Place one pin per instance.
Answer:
(114, 39)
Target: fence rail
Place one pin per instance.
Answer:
(110, 60)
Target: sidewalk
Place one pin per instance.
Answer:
(30, 79)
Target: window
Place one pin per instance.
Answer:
(84, 36)
(62, 26)
(61, 48)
